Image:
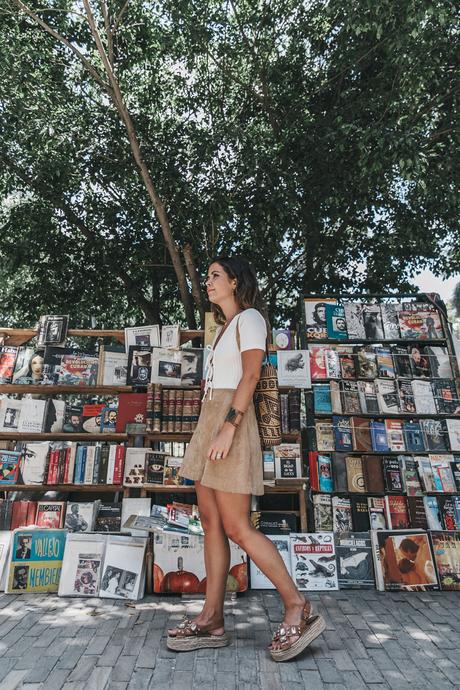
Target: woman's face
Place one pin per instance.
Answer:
(416, 355)
(36, 364)
(219, 285)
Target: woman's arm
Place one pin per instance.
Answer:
(251, 361)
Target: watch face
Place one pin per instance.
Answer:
(282, 340)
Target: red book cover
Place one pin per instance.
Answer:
(50, 514)
(313, 465)
(132, 408)
(318, 362)
(65, 479)
(397, 512)
(50, 477)
(19, 514)
(7, 362)
(31, 512)
(119, 464)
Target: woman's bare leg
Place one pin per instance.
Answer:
(216, 559)
(234, 513)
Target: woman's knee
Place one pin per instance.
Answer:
(237, 531)
(211, 522)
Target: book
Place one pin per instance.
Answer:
(81, 517)
(78, 369)
(385, 366)
(342, 433)
(419, 321)
(355, 477)
(432, 512)
(33, 462)
(350, 397)
(361, 435)
(322, 398)
(402, 362)
(410, 476)
(123, 574)
(282, 338)
(419, 362)
(455, 467)
(318, 361)
(52, 330)
(191, 366)
(139, 365)
(341, 514)
(166, 366)
(387, 396)
(406, 396)
(347, 365)
(155, 462)
(397, 512)
(258, 579)
(335, 322)
(373, 473)
(108, 518)
(108, 418)
(440, 362)
(413, 437)
(368, 400)
(360, 513)
(423, 397)
(425, 473)
(8, 357)
(354, 560)
(395, 435)
(417, 515)
(442, 473)
(294, 368)
(322, 512)
(435, 434)
(315, 317)
(9, 466)
(35, 560)
(403, 561)
(271, 523)
(132, 408)
(134, 470)
(50, 514)
(339, 472)
(446, 552)
(390, 320)
(288, 461)
(392, 475)
(82, 565)
(336, 399)
(453, 430)
(268, 460)
(142, 335)
(324, 435)
(114, 366)
(73, 419)
(366, 362)
(447, 511)
(32, 416)
(445, 396)
(373, 325)
(23, 513)
(170, 336)
(53, 420)
(377, 513)
(134, 506)
(378, 436)
(332, 360)
(313, 561)
(354, 320)
(92, 417)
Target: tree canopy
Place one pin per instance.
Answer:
(317, 138)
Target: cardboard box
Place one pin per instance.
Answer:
(178, 564)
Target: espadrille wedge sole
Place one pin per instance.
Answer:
(313, 628)
(188, 643)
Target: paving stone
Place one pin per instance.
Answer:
(312, 680)
(124, 668)
(83, 669)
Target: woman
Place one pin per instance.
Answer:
(224, 459)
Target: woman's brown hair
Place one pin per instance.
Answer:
(247, 292)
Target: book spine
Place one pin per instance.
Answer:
(111, 463)
(157, 394)
(171, 410)
(89, 466)
(187, 411)
(196, 404)
(83, 464)
(179, 410)
(96, 464)
(71, 466)
(103, 465)
(149, 415)
(294, 411)
(119, 464)
(284, 406)
(165, 410)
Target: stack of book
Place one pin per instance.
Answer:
(172, 410)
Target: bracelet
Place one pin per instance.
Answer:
(232, 416)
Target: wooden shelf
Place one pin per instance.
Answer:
(386, 452)
(61, 487)
(381, 494)
(50, 390)
(390, 415)
(12, 435)
(373, 341)
(19, 336)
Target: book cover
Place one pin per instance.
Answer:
(347, 365)
(445, 396)
(33, 462)
(378, 436)
(332, 360)
(403, 561)
(82, 565)
(336, 399)
(108, 518)
(377, 513)
(406, 396)
(78, 370)
(455, 467)
(282, 338)
(413, 437)
(192, 366)
(114, 367)
(80, 517)
(142, 335)
(341, 514)
(410, 476)
(342, 433)
(387, 396)
(366, 362)
(92, 417)
(350, 397)
(420, 321)
(339, 472)
(268, 460)
(423, 397)
(35, 560)
(402, 361)
(440, 361)
(373, 325)
(134, 470)
(155, 464)
(355, 477)
(392, 475)
(322, 398)
(170, 335)
(425, 472)
(322, 512)
(171, 476)
(9, 466)
(390, 320)
(447, 511)
(52, 330)
(139, 365)
(8, 357)
(134, 506)
(419, 362)
(108, 420)
(325, 481)
(313, 561)
(315, 318)
(435, 434)
(354, 320)
(385, 366)
(417, 515)
(373, 473)
(288, 461)
(432, 512)
(73, 419)
(272, 523)
(442, 473)
(123, 568)
(293, 368)
(361, 434)
(368, 400)
(50, 514)
(324, 435)
(132, 408)
(360, 513)
(28, 368)
(335, 322)
(395, 435)
(318, 361)
(32, 416)
(354, 560)
(258, 579)
(446, 550)
(397, 512)
(453, 430)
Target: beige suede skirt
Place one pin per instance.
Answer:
(241, 472)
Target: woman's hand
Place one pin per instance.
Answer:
(220, 446)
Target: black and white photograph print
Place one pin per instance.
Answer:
(118, 582)
(87, 575)
(192, 366)
(11, 419)
(373, 326)
(23, 549)
(170, 370)
(74, 520)
(315, 317)
(139, 365)
(170, 336)
(294, 368)
(20, 576)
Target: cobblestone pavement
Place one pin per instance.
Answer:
(373, 640)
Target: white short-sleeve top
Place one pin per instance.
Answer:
(223, 366)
